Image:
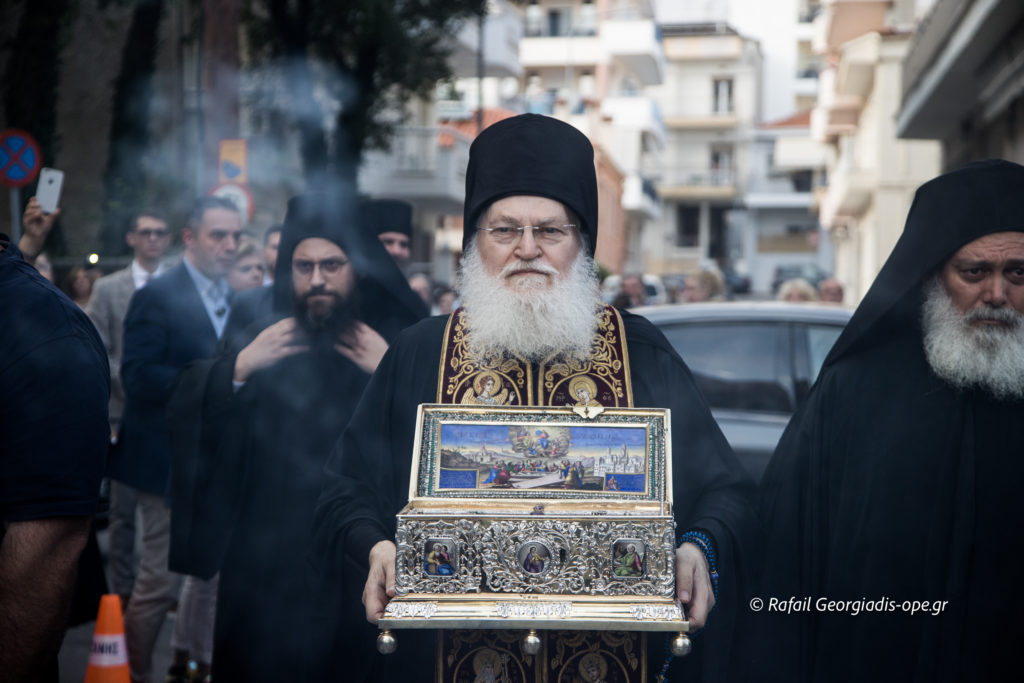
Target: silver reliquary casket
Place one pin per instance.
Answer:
(537, 518)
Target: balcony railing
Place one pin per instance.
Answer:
(423, 163)
(697, 176)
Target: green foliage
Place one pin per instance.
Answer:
(371, 56)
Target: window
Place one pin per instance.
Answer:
(586, 20)
(721, 164)
(717, 232)
(687, 226)
(534, 19)
(802, 180)
(738, 366)
(556, 25)
(721, 96)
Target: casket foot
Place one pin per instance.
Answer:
(386, 643)
(681, 645)
(531, 643)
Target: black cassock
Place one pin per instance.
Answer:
(248, 468)
(369, 484)
(891, 486)
(278, 616)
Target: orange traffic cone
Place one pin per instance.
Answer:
(108, 662)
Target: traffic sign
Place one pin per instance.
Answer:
(232, 166)
(238, 193)
(20, 159)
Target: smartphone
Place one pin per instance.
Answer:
(48, 190)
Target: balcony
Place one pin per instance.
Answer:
(837, 113)
(844, 20)
(425, 166)
(957, 66)
(561, 51)
(855, 74)
(696, 183)
(636, 44)
(681, 120)
(799, 153)
(849, 193)
(636, 112)
(640, 198)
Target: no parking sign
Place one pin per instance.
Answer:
(20, 159)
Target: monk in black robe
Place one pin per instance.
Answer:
(262, 421)
(531, 309)
(894, 492)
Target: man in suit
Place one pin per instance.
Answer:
(149, 238)
(175, 319)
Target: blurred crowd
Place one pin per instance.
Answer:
(708, 285)
(148, 329)
(148, 322)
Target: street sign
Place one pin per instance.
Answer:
(232, 166)
(20, 159)
(239, 194)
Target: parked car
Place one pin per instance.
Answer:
(811, 272)
(754, 362)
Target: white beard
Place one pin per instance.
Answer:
(991, 358)
(531, 316)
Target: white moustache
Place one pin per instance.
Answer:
(521, 266)
(1003, 315)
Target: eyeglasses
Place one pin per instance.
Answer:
(151, 234)
(327, 266)
(543, 234)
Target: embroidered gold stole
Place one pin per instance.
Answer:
(602, 380)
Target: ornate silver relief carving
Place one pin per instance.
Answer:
(657, 612)
(421, 610)
(574, 556)
(534, 610)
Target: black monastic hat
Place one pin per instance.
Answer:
(387, 215)
(535, 155)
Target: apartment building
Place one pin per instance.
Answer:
(872, 174)
(589, 62)
(711, 103)
(425, 164)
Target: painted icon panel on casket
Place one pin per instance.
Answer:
(628, 558)
(440, 557)
(467, 453)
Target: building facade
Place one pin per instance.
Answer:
(872, 174)
(963, 81)
(710, 100)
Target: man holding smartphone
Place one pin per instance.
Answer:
(35, 228)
